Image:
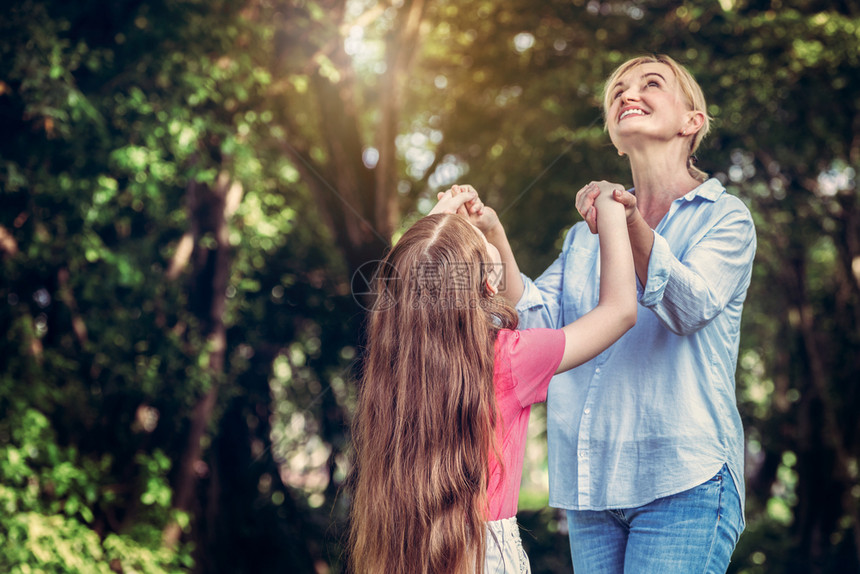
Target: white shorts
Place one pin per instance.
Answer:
(505, 554)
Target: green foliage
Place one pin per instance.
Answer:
(50, 495)
(113, 112)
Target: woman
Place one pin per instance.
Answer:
(645, 440)
(444, 400)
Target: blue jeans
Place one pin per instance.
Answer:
(687, 533)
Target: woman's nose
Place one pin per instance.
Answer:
(630, 94)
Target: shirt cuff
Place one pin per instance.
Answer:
(531, 296)
(659, 269)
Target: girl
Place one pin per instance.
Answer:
(444, 400)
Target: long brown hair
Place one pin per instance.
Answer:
(424, 428)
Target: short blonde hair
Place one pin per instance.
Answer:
(690, 89)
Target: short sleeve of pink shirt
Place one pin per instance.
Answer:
(524, 364)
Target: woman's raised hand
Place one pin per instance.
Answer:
(587, 196)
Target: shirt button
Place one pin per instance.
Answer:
(588, 411)
(582, 454)
(597, 370)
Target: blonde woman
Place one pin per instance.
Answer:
(645, 440)
(445, 394)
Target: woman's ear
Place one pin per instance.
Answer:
(491, 288)
(693, 122)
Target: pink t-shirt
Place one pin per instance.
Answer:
(525, 362)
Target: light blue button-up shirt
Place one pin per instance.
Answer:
(656, 413)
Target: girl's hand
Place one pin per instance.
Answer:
(483, 217)
(453, 203)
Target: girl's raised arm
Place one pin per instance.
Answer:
(616, 309)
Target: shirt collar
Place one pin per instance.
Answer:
(711, 190)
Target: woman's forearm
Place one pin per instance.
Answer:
(641, 243)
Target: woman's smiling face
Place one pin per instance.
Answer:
(645, 101)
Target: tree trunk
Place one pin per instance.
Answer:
(824, 461)
(210, 208)
(401, 54)
(358, 203)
